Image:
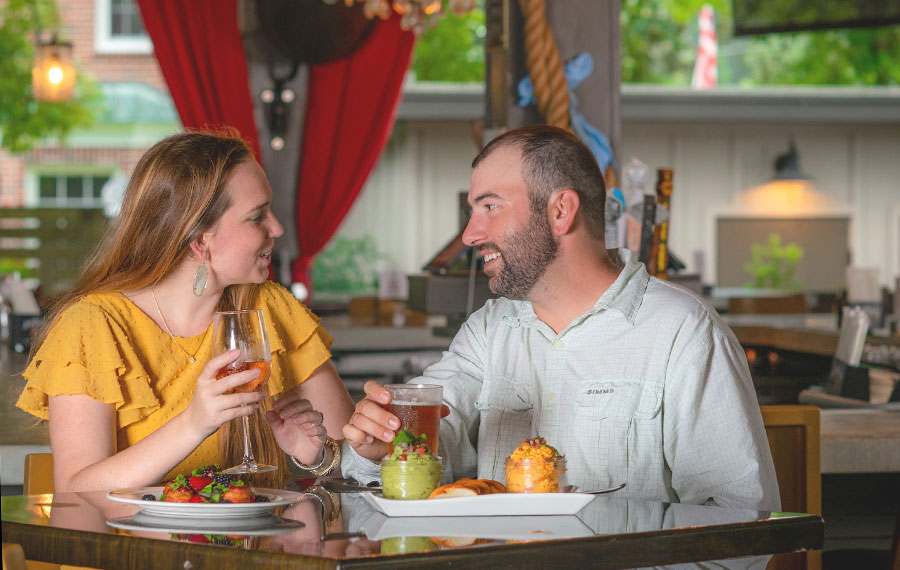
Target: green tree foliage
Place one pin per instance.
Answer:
(347, 267)
(659, 45)
(24, 121)
(453, 50)
(828, 57)
(659, 39)
(659, 42)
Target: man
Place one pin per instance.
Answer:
(635, 380)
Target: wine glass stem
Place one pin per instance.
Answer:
(248, 450)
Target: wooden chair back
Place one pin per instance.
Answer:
(13, 557)
(37, 481)
(794, 438)
(786, 305)
(38, 474)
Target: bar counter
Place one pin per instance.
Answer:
(808, 333)
(332, 530)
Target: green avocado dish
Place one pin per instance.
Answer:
(412, 471)
(403, 544)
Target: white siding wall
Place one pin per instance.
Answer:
(855, 171)
(409, 204)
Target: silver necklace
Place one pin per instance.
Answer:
(191, 357)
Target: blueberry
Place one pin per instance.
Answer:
(148, 497)
(223, 479)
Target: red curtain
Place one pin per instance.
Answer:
(201, 54)
(350, 110)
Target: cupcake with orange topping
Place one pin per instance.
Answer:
(535, 467)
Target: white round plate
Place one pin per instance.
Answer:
(267, 524)
(277, 498)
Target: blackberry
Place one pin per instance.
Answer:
(223, 540)
(260, 499)
(148, 497)
(209, 471)
(223, 479)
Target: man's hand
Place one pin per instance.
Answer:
(371, 426)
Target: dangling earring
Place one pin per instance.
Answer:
(200, 279)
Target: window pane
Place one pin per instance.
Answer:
(47, 187)
(136, 24)
(115, 14)
(74, 186)
(99, 181)
(126, 18)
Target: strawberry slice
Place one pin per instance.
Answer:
(198, 499)
(197, 483)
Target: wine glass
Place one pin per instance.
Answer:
(245, 330)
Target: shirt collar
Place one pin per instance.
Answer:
(624, 295)
(627, 292)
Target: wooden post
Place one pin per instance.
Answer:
(578, 26)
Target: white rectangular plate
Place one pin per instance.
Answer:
(380, 527)
(484, 505)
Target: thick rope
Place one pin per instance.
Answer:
(545, 66)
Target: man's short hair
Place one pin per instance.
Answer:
(553, 158)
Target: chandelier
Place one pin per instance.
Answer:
(417, 15)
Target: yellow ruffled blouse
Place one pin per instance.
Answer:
(105, 347)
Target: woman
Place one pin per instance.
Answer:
(123, 368)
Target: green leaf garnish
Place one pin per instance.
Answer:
(404, 436)
(406, 442)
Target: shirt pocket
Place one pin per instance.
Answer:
(619, 400)
(505, 395)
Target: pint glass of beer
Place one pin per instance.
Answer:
(418, 406)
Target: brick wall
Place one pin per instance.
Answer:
(78, 16)
(78, 21)
(125, 158)
(12, 176)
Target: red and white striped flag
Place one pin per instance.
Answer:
(705, 67)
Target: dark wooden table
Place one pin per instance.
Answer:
(609, 533)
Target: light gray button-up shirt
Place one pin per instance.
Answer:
(649, 387)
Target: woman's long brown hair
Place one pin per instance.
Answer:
(176, 193)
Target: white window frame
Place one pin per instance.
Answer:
(105, 42)
(33, 191)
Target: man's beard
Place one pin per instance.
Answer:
(526, 257)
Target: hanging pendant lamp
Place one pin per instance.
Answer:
(53, 75)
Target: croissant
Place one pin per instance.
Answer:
(468, 488)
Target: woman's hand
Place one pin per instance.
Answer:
(298, 427)
(211, 405)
